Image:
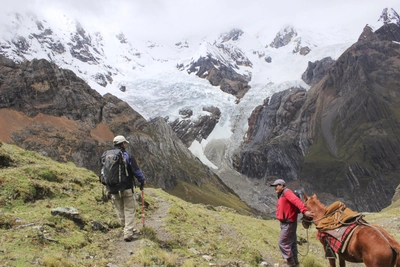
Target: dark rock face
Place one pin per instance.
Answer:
(389, 32)
(366, 34)
(317, 70)
(28, 86)
(53, 112)
(189, 130)
(266, 152)
(341, 138)
(223, 76)
(284, 37)
(304, 50)
(80, 46)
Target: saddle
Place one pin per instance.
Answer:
(336, 215)
(336, 240)
(336, 227)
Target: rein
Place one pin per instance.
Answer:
(308, 246)
(327, 215)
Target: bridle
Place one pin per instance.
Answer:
(305, 219)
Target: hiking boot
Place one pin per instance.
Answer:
(128, 238)
(289, 263)
(296, 260)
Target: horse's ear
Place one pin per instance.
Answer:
(305, 197)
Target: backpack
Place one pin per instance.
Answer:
(114, 170)
(297, 195)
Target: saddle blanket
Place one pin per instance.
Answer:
(337, 237)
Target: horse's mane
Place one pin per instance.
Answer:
(314, 198)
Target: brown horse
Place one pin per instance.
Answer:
(369, 244)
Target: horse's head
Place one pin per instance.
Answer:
(308, 201)
(311, 202)
(315, 206)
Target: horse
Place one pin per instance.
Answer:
(368, 244)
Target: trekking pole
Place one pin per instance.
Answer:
(143, 208)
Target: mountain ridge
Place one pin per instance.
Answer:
(54, 112)
(173, 94)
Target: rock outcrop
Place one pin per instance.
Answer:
(189, 129)
(317, 70)
(289, 35)
(284, 37)
(221, 75)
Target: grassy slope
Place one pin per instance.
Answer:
(29, 235)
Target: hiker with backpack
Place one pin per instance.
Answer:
(119, 170)
(287, 208)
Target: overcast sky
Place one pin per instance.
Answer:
(182, 18)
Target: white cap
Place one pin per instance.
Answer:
(119, 139)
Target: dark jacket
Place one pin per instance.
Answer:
(133, 171)
(288, 206)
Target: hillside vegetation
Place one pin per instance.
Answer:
(174, 233)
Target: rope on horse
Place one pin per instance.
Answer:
(308, 245)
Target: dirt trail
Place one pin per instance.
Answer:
(155, 220)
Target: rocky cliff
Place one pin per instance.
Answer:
(341, 138)
(50, 110)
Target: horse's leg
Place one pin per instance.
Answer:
(332, 263)
(342, 262)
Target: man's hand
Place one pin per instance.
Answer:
(309, 214)
(142, 185)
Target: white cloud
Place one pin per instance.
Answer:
(162, 19)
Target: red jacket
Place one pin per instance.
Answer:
(288, 206)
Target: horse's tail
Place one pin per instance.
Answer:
(394, 258)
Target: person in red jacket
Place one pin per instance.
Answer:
(287, 208)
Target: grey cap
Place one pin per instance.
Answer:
(278, 181)
(119, 139)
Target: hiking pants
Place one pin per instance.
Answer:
(288, 239)
(125, 206)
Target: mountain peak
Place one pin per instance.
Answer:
(283, 37)
(388, 16)
(233, 35)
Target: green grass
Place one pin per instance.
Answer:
(209, 194)
(196, 234)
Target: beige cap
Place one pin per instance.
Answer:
(119, 139)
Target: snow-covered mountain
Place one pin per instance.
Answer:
(153, 77)
(159, 79)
